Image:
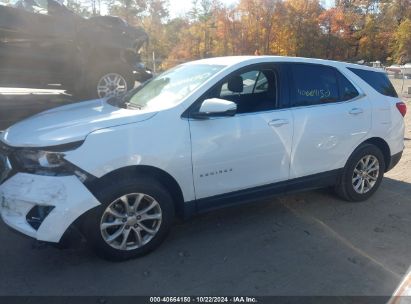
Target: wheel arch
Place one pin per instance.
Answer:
(383, 146)
(163, 177)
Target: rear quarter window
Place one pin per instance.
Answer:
(378, 80)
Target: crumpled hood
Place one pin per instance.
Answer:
(69, 123)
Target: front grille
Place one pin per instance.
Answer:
(5, 166)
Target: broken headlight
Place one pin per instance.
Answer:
(48, 161)
(34, 160)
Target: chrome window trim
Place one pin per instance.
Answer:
(283, 109)
(331, 103)
(238, 115)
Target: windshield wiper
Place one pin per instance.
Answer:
(120, 102)
(132, 106)
(114, 101)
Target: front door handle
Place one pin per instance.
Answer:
(356, 111)
(278, 122)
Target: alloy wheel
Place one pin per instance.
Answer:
(131, 221)
(365, 174)
(111, 85)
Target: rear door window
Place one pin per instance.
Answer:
(314, 84)
(378, 80)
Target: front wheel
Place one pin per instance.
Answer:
(362, 174)
(133, 219)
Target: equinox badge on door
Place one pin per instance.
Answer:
(217, 172)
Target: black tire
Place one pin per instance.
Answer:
(112, 191)
(345, 188)
(88, 90)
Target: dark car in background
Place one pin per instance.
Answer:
(42, 42)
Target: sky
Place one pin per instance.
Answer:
(181, 7)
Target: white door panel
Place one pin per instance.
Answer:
(326, 135)
(240, 152)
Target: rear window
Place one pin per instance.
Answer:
(378, 80)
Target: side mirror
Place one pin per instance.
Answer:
(215, 107)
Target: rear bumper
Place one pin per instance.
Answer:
(66, 195)
(395, 159)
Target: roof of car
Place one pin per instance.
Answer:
(234, 60)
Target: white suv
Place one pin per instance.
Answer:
(200, 136)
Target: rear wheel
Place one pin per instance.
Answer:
(362, 174)
(111, 84)
(134, 218)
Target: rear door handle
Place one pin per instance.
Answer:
(278, 122)
(356, 111)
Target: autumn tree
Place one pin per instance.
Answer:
(302, 25)
(351, 30)
(402, 44)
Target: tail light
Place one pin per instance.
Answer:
(402, 107)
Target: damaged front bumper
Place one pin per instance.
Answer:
(43, 207)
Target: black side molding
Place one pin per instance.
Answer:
(304, 183)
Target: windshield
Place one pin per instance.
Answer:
(171, 87)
